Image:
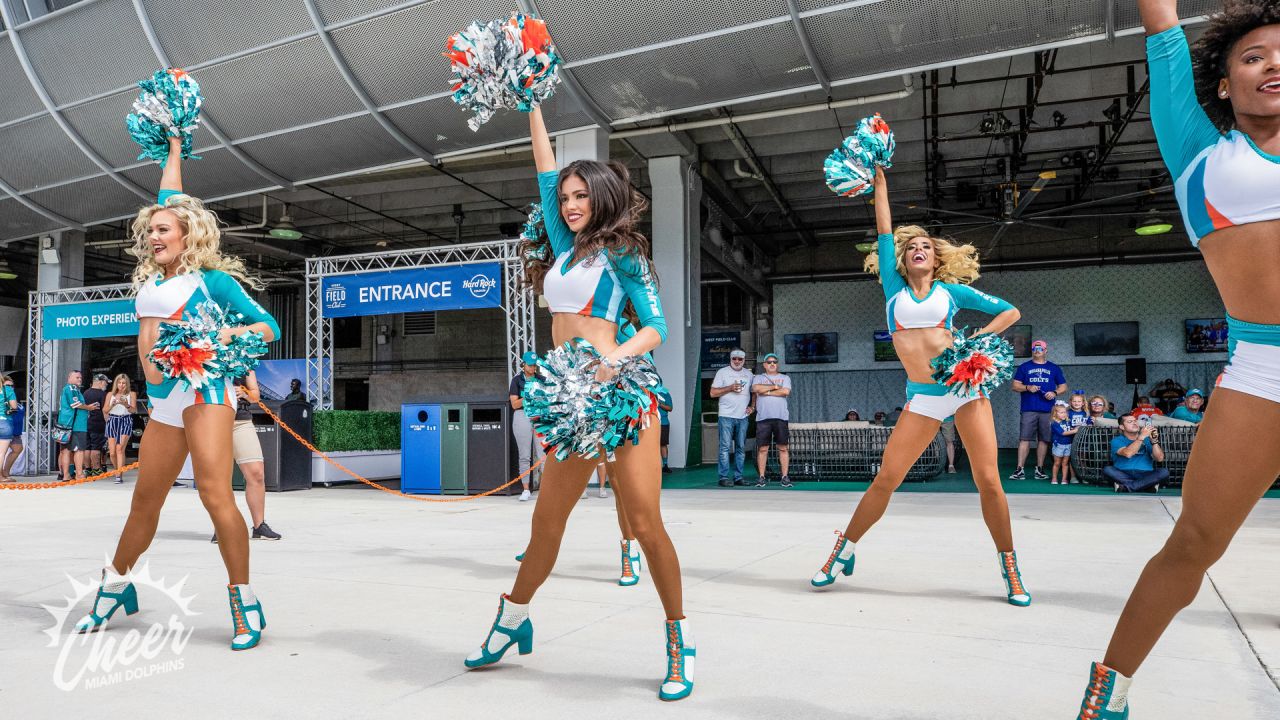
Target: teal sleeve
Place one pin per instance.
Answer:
(970, 298)
(559, 234)
(67, 397)
(1182, 128)
(642, 290)
(166, 194)
(229, 295)
(890, 281)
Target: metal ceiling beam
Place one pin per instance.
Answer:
(149, 30)
(579, 93)
(788, 214)
(35, 207)
(814, 64)
(361, 93)
(20, 50)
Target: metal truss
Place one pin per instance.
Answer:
(517, 302)
(42, 396)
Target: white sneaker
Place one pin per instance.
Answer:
(524, 496)
(603, 494)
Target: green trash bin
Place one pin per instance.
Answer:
(453, 449)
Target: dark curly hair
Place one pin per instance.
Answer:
(616, 211)
(1210, 54)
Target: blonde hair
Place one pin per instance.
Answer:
(956, 263)
(1105, 404)
(1053, 414)
(203, 239)
(128, 385)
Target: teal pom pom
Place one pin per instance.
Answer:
(850, 168)
(535, 244)
(876, 140)
(974, 366)
(575, 414)
(502, 64)
(168, 106)
(191, 351)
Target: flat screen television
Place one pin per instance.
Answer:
(809, 348)
(1108, 338)
(883, 343)
(1206, 335)
(1019, 336)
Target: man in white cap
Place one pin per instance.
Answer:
(732, 385)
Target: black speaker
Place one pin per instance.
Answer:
(1135, 371)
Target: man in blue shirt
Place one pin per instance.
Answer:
(1134, 454)
(1039, 382)
(73, 413)
(1192, 407)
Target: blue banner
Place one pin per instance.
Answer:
(76, 321)
(716, 347)
(451, 287)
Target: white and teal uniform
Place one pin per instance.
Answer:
(904, 311)
(1220, 181)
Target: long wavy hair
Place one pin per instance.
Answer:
(115, 384)
(616, 210)
(202, 236)
(956, 263)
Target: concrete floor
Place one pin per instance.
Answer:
(373, 601)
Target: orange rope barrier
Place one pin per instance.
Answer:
(309, 446)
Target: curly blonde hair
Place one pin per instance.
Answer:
(956, 263)
(203, 238)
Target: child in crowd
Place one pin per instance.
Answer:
(1077, 411)
(1063, 432)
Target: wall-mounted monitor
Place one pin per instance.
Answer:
(809, 348)
(1108, 338)
(883, 343)
(1206, 335)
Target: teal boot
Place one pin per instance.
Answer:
(246, 617)
(1018, 594)
(630, 563)
(119, 593)
(511, 627)
(841, 561)
(1107, 697)
(680, 656)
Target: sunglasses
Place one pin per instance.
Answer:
(1096, 404)
(770, 362)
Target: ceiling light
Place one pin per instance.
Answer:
(6, 273)
(865, 247)
(1113, 114)
(1003, 123)
(1058, 119)
(284, 229)
(1153, 225)
(987, 125)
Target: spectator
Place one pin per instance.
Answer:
(17, 417)
(878, 418)
(772, 390)
(1078, 410)
(1063, 435)
(246, 451)
(295, 391)
(1040, 383)
(527, 447)
(1099, 410)
(1192, 407)
(664, 438)
(1144, 410)
(852, 416)
(948, 430)
(1133, 455)
(120, 405)
(891, 418)
(8, 407)
(96, 394)
(732, 385)
(73, 428)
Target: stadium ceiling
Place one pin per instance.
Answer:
(341, 110)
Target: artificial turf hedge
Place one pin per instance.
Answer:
(346, 430)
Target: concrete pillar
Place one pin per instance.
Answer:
(676, 196)
(68, 272)
(589, 144)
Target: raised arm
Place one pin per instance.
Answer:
(886, 250)
(544, 156)
(171, 180)
(1158, 15)
(884, 216)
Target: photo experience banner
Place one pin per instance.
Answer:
(452, 287)
(78, 321)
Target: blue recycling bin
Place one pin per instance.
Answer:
(420, 426)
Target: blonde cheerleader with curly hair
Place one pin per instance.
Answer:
(180, 266)
(925, 281)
